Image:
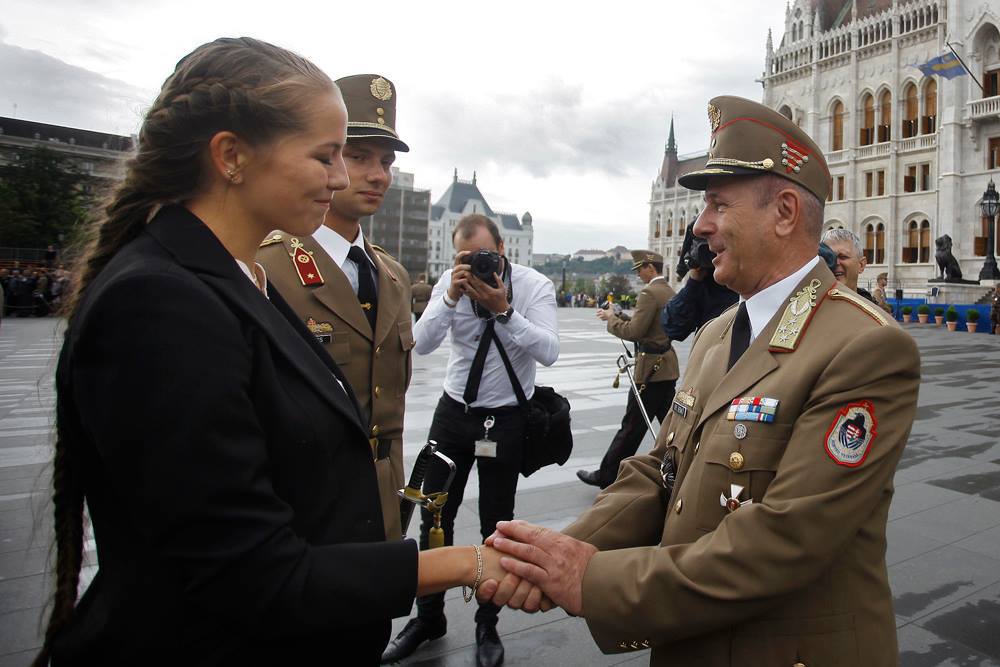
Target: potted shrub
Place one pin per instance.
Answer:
(939, 316)
(907, 311)
(923, 312)
(951, 318)
(972, 320)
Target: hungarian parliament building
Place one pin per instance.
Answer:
(910, 155)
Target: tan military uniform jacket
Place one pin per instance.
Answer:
(377, 365)
(644, 328)
(799, 574)
(421, 295)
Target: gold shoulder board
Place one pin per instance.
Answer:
(794, 320)
(271, 240)
(862, 303)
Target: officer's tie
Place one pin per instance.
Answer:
(366, 283)
(741, 335)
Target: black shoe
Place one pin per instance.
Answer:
(592, 477)
(416, 632)
(489, 650)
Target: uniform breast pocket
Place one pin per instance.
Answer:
(406, 335)
(406, 343)
(340, 347)
(746, 457)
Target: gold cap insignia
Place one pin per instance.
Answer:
(714, 117)
(381, 89)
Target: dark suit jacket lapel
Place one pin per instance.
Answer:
(388, 296)
(197, 248)
(336, 293)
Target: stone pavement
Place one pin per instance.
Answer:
(944, 531)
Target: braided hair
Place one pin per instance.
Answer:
(256, 90)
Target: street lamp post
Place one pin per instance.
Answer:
(990, 206)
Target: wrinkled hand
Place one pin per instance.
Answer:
(492, 298)
(513, 591)
(552, 561)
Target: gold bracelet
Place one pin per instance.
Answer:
(466, 594)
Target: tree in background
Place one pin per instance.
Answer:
(617, 284)
(42, 196)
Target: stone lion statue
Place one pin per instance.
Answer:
(950, 270)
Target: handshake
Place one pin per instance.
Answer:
(532, 568)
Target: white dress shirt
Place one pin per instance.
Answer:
(258, 276)
(531, 335)
(763, 305)
(337, 247)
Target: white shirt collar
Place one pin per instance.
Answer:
(655, 279)
(257, 276)
(337, 247)
(762, 306)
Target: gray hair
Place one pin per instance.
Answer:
(844, 236)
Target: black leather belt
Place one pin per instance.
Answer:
(654, 349)
(380, 448)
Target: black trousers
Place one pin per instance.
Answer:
(456, 432)
(656, 397)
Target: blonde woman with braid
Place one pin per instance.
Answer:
(218, 451)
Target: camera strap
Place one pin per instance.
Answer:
(479, 363)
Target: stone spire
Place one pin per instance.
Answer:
(668, 170)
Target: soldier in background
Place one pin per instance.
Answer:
(352, 295)
(656, 367)
(879, 292)
(421, 292)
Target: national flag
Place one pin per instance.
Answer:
(948, 66)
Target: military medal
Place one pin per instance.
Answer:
(323, 331)
(485, 447)
(733, 502)
(753, 409)
(305, 265)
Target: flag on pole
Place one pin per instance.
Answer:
(948, 66)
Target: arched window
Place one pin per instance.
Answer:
(911, 112)
(929, 124)
(785, 111)
(656, 229)
(837, 128)
(670, 224)
(925, 241)
(875, 243)
(885, 116)
(867, 136)
(911, 243)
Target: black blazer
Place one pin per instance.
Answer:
(230, 482)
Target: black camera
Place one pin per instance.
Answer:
(483, 264)
(695, 253)
(616, 308)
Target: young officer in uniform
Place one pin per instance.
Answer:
(421, 295)
(655, 371)
(352, 295)
(780, 448)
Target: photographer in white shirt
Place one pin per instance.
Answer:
(483, 423)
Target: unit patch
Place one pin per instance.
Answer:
(753, 409)
(851, 434)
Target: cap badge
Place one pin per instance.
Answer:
(714, 117)
(381, 89)
(793, 156)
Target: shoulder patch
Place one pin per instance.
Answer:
(862, 303)
(271, 240)
(851, 434)
(795, 319)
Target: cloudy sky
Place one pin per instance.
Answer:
(561, 108)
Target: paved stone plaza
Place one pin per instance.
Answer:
(944, 535)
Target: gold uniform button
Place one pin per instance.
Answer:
(374, 430)
(670, 438)
(679, 505)
(799, 664)
(380, 121)
(380, 111)
(378, 351)
(736, 461)
(378, 391)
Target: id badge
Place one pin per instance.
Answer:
(486, 449)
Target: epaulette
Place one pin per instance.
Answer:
(271, 240)
(795, 319)
(383, 251)
(861, 303)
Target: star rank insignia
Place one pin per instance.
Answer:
(795, 319)
(305, 265)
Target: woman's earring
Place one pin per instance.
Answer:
(234, 176)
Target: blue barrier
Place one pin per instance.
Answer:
(984, 312)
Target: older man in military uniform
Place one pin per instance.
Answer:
(655, 366)
(421, 295)
(353, 295)
(754, 533)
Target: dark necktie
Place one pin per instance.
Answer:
(478, 364)
(366, 284)
(741, 335)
